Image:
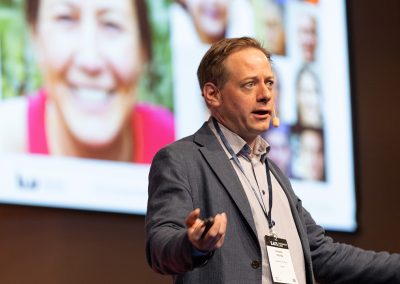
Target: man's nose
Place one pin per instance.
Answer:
(265, 93)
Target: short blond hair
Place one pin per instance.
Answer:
(212, 68)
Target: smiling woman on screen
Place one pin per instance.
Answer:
(91, 55)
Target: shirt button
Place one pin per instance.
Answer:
(255, 264)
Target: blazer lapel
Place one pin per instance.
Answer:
(223, 169)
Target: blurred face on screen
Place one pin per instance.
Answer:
(90, 55)
(312, 157)
(274, 30)
(280, 148)
(309, 100)
(308, 36)
(210, 18)
(245, 101)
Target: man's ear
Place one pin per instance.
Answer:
(211, 95)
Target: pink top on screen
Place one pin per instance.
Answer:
(152, 128)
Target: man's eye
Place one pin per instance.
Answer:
(270, 83)
(249, 85)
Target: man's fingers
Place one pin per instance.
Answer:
(224, 223)
(220, 242)
(192, 217)
(222, 231)
(220, 222)
(212, 239)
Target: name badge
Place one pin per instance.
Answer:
(280, 261)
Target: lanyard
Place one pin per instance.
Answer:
(268, 214)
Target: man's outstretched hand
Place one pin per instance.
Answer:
(213, 239)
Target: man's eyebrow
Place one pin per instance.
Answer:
(249, 78)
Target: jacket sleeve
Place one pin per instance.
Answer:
(334, 262)
(341, 263)
(168, 249)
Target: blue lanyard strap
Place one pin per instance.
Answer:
(268, 214)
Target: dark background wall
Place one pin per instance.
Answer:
(43, 245)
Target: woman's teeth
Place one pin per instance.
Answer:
(92, 96)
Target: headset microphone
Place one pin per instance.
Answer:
(275, 118)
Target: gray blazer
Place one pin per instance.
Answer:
(194, 173)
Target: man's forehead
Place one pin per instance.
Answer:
(244, 52)
(249, 61)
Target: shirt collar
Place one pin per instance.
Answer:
(240, 147)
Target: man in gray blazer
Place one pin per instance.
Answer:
(260, 232)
